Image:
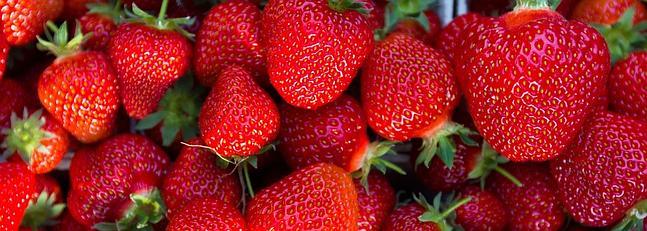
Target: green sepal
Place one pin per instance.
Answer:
(554, 4)
(147, 208)
(25, 135)
(489, 161)
(532, 4)
(113, 10)
(373, 159)
(344, 5)
(634, 219)
(160, 22)
(623, 37)
(441, 144)
(400, 10)
(57, 40)
(43, 211)
(441, 211)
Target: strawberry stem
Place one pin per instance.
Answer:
(147, 208)
(508, 175)
(344, 5)
(162, 14)
(623, 37)
(432, 211)
(42, 211)
(57, 41)
(25, 135)
(489, 161)
(441, 143)
(634, 218)
(531, 4)
(373, 159)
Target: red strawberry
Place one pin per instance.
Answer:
(13, 98)
(531, 79)
(195, 174)
(68, 223)
(19, 185)
(413, 28)
(485, 212)
(37, 139)
(623, 37)
(73, 9)
(375, 202)
(238, 117)
(314, 52)
(566, 7)
(101, 21)
(533, 206)
(125, 172)
(451, 38)
(45, 206)
(207, 214)
(149, 55)
(319, 197)
(229, 35)
(79, 88)
(4, 53)
(376, 15)
(23, 20)
(603, 173)
(607, 12)
(420, 215)
(627, 81)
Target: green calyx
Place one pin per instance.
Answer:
(533, 4)
(624, 37)
(25, 135)
(399, 10)
(634, 218)
(147, 208)
(177, 111)
(161, 22)
(441, 144)
(489, 161)
(344, 5)
(57, 40)
(373, 159)
(441, 211)
(113, 10)
(42, 212)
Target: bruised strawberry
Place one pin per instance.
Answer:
(485, 212)
(607, 12)
(420, 215)
(451, 38)
(207, 214)
(375, 201)
(23, 20)
(627, 81)
(19, 187)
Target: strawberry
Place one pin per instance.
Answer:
(23, 20)
(415, 18)
(149, 55)
(626, 96)
(566, 7)
(533, 206)
(67, 223)
(485, 212)
(37, 139)
(19, 185)
(318, 197)
(4, 53)
(375, 202)
(623, 37)
(603, 174)
(45, 206)
(307, 61)
(607, 12)
(420, 215)
(376, 15)
(229, 35)
(207, 214)
(531, 79)
(450, 39)
(73, 9)
(101, 21)
(416, 30)
(13, 98)
(126, 169)
(79, 88)
(195, 174)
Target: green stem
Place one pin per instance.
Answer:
(531, 4)
(455, 206)
(507, 174)
(162, 13)
(117, 6)
(248, 181)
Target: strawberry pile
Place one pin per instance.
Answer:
(323, 115)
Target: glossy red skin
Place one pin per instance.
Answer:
(238, 118)
(376, 204)
(319, 197)
(438, 177)
(67, 223)
(45, 161)
(334, 133)
(229, 34)
(74, 9)
(535, 205)
(604, 172)
(195, 174)
(484, 212)
(407, 88)
(148, 61)
(48, 184)
(101, 28)
(413, 28)
(451, 38)
(530, 110)
(405, 218)
(607, 12)
(118, 167)
(13, 97)
(311, 61)
(80, 91)
(19, 185)
(207, 214)
(627, 81)
(23, 20)
(376, 16)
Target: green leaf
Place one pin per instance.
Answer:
(151, 120)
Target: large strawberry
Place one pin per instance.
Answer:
(421, 215)
(101, 20)
(485, 212)
(19, 186)
(450, 39)
(531, 79)
(207, 214)
(318, 197)
(375, 201)
(79, 88)
(114, 186)
(607, 12)
(229, 34)
(627, 81)
(149, 55)
(314, 52)
(23, 20)
(603, 173)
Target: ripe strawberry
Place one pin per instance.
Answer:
(229, 35)
(19, 185)
(149, 55)
(603, 174)
(195, 174)
(485, 212)
(376, 15)
(126, 170)
(607, 12)
(307, 61)
(45, 206)
(101, 21)
(531, 79)
(566, 7)
(13, 98)
(533, 206)
(375, 202)
(416, 30)
(451, 38)
(319, 197)
(627, 94)
(238, 117)
(37, 139)
(4, 53)
(623, 37)
(67, 223)
(23, 20)
(420, 215)
(207, 214)
(73, 9)
(79, 88)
